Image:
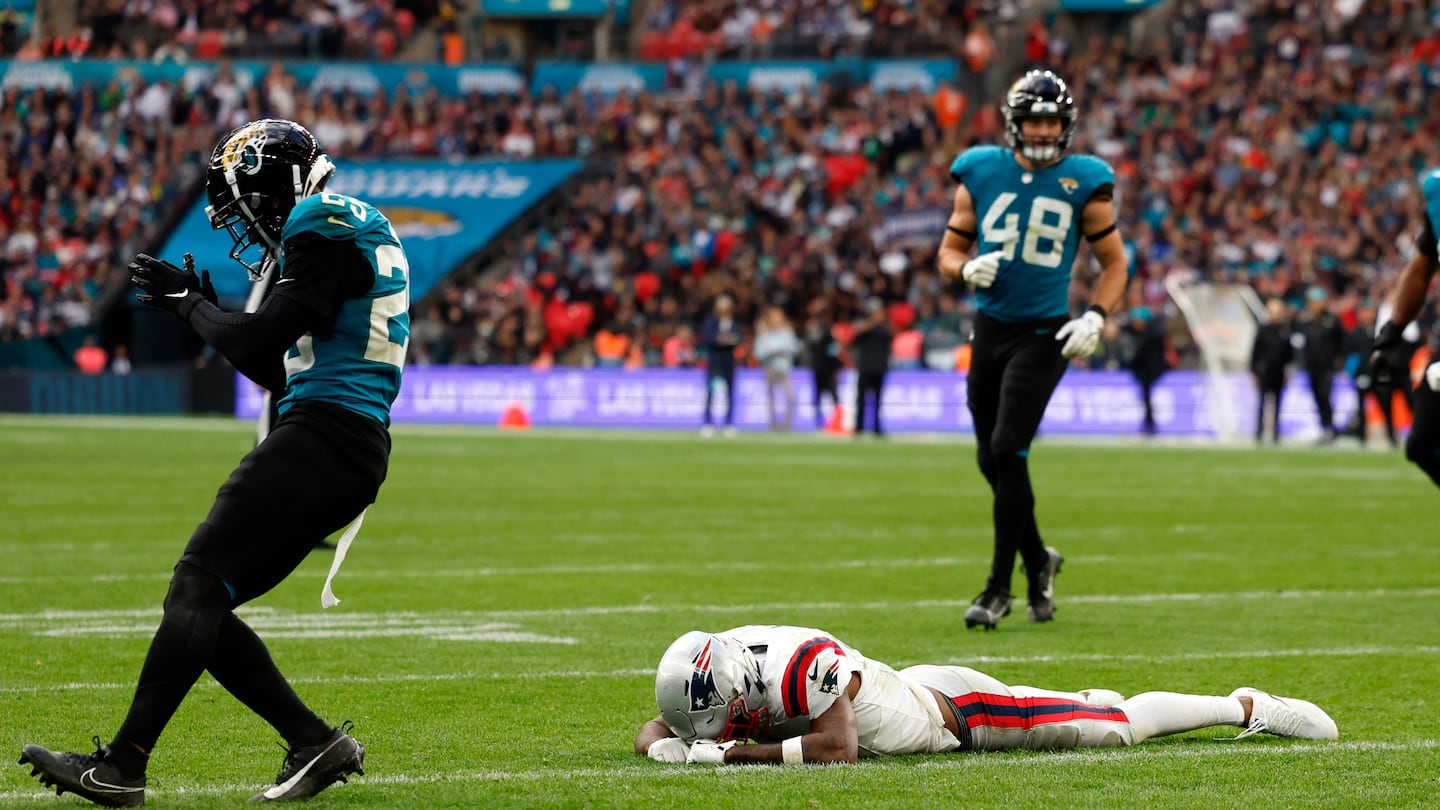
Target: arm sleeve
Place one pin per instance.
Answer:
(318, 274)
(254, 342)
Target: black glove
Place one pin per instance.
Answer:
(206, 288)
(1388, 356)
(162, 284)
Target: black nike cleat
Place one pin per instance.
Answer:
(312, 768)
(987, 610)
(1042, 589)
(89, 776)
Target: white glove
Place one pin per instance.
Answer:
(668, 749)
(1432, 376)
(704, 752)
(980, 271)
(1082, 334)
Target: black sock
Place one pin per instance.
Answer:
(196, 603)
(130, 760)
(242, 664)
(1014, 516)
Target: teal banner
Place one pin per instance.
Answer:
(362, 78)
(605, 79)
(443, 212)
(545, 8)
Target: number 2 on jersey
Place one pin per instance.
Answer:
(385, 309)
(1002, 227)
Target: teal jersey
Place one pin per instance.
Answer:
(1430, 188)
(357, 361)
(1034, 217)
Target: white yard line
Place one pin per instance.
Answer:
(103, 620)
(572, 674)
(637, 770)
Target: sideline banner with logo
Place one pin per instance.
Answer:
(442, 211)
(362, 78)
(1095, 403)
(606, 79)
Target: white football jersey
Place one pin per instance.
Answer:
(804, 671)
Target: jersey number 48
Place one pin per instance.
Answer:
(1049, 220)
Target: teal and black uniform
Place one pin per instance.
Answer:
(329, 341)
(1423, 445)
(1034, 216)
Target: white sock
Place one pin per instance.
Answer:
(1157, 714)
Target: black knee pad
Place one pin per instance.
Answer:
(195, 590)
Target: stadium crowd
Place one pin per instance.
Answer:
(813, 201)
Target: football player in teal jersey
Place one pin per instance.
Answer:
(1024, 210)
(1390, 356)
(329, 341)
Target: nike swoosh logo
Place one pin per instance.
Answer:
(178, 294)
(815, 670)
(284, 280)
(341, 222)
(285, 787)
(89, 782)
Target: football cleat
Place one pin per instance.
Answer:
(1285, 717)
(309, 769)
(988, 609)
(1042, 589)
(90, 776)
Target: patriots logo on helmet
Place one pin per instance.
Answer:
(702, 682)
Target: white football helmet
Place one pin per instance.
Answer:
(708, 687)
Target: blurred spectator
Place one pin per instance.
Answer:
(90, 358)
(776, 347)
(822, 353)
(1269, 364)
(872, 361)
(1324, 340)
(1145, 333)
(720, 336)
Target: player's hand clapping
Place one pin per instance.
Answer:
(164, 286)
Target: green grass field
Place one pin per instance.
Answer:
(505, 605)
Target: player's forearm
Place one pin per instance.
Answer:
(951, 262)
(820, 748)
(254, 343)
(1410, 294)
(1110, 290)
(650, 733)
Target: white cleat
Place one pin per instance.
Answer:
(707, 431)
(1285, 717)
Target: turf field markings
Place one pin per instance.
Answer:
(280, 620)
(734, 565)
(649, 672)
(637, 770)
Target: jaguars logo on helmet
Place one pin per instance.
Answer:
(255, 177)
(1039, 94)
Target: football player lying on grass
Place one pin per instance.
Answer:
(801, 695)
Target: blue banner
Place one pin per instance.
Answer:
(362, 78)
(443, 212)
(545, 8)
(606, 79)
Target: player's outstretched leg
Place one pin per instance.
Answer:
(1042, 588)
(1285, 717)
(90, 776)
(312, 768)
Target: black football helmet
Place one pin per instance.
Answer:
(1039, 94)
(256, 175)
